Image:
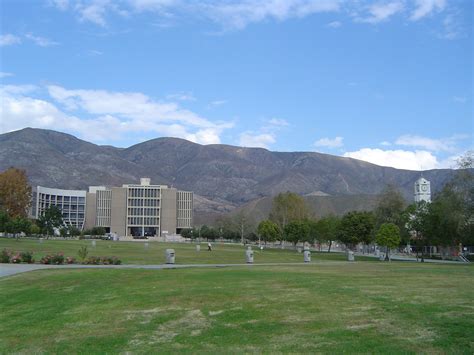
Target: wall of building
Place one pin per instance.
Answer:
(184, 209)
(118, 215)
(168, 211)
(91, 211)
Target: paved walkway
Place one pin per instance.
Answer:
(12, 269)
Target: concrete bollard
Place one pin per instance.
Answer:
(249, 256)
(170, 256)
(307, 256)
(198, 247)
(40, 240)
(146, 245)
(93, 243)
(299, 249)
(350, 255)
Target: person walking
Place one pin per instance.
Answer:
(209, 247)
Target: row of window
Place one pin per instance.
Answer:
(143, 221)
(142, 202)
(64, 199)
(144, 211)
(144, 192)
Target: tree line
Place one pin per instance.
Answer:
(448, 221)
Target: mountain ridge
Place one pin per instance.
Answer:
(225, 176)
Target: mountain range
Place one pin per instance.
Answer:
(223, 177)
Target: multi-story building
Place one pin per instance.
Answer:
(72, 204)
(131, 210)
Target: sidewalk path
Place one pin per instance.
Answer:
(12, 269)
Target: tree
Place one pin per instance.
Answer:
(288, 207)
(209, 233)
(388, 236)
(268, 231)
(4, 219)
(390, 207)
(416, 225)
(34, 229)
(326, 229)
(15, 193)
(18, 225)
(187, 233)
(51, 218)
(356, 227)
(296, 231)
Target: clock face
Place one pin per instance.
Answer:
(424, 188)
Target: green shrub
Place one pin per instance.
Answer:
(27, 257)
(58, 259)
(70, 260)
(93, 260)
(47, 259)
(83, 253)
(16, 259)
(5, 256)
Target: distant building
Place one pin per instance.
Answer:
(131, 210)
(72, 204)
(422, 190)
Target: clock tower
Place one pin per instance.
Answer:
(422, 190)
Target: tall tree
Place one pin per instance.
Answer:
(356, 227)
(15, 192)
(296, 231)
(388, 236)
(288, 207)
(268, 231)
(390, 207)
(50, 219)
(327, 228)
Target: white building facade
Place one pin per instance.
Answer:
(422, 190)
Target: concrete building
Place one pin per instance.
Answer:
(72, 204)
(422, 190)
(131, 210)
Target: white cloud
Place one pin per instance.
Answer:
(385, 143)
(4, 74)
(94, 11)
(443, 144)
(278, 122)
(41, 41)
(216, 103)
(181, 96)
(400, 159)
(452, 27)
(382, 11)
(9, 39)
(329, 143)
(239, 14)
(112, 115)
(262, 140)
(427, 7)
(60, 4)
(334, 24)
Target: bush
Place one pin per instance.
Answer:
(47, 259)
(93, 260)
(16, 259)
(5, 256)
(83, 253)
(27, 257)
(57, 259)
(116, 261)
(70, 260)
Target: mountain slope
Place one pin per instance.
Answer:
(225, 176)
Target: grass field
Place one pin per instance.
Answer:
(330, 306)
(136, 253)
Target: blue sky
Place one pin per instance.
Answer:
(387, 81)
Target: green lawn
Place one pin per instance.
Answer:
(329, 306)
(136, 253)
